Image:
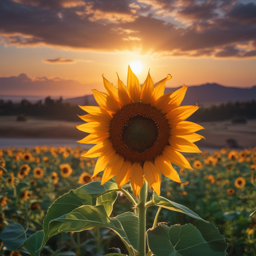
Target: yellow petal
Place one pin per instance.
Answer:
(133, 86)
(98, 149)
(110, 88)
(94, 138)
(175, 99)
(167, 169)
(136, 178)
(105, 101)
(175, 157)
(157, 186)
(123, 175)
(94, 127)
(183, 145)
(147, 90)
(163, 101)
(123, 95)
(112, 170)
(151, 172)
(185, 127)
(181, 113)
(193, 137)
(102, 161)
(159, 89)
(91, 109)
(95, 118)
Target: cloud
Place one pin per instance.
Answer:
(204, 29)
(59, 61)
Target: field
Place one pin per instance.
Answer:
(220, 189)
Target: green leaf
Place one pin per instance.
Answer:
(107, 200)
(74, 199)
(130, 223)
(65, 254)
(89, 217)
(33, 243)
(187, 240)
(13, 236)
(165, 203)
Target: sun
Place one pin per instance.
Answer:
(136, 66)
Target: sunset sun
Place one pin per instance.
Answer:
(136, 66)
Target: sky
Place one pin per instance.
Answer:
(196, 41)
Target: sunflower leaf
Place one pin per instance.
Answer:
(107, 200)
(177, 240)
(2, 168)
(13, 236)
(165, 203)
(33, 243)
(89, 217)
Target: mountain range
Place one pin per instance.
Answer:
(20, 87)
(204, 95)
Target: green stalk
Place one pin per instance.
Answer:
(142, 219)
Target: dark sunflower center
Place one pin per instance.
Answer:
(38, 172)
(65, 170)
(140, 133)
(86, 179)
(239, 182)
(26, 157)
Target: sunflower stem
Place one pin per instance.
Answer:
(142, 219)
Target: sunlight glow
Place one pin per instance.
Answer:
(136, 66)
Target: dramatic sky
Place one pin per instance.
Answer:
(196, 41)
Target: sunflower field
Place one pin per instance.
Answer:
(220, 189)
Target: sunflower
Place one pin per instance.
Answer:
(223, 151)
(10, 180)
(97, 177)
(231, 191)
(229, 168)
(27, 157)
(25, 195)
(55, 177)
(211, 178)
(253, 167)
(3, 201)
(240, 182)
(84, 178)
(197, 165)
(139, 131)
(15, 253)
(232, 155)
(46, 159)
(35, 206)
(182, 171)
(33, 183)
(23, 171)
(38, 173)
(65, 170)
(2, 162)
(65, 154)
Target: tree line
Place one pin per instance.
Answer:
(60, 110)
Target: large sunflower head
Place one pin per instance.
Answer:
(38, 172)
(65, 170)
(240, 182)
(139, 132)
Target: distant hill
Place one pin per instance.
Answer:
(205, 95)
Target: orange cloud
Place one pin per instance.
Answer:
(59, 61)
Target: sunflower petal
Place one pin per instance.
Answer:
(105, 101)
(181, 113)
(136, 178)
(159, 89)
(147, 90)
(123, 175)
(167, 169)
(95, 118)
(98, 149)
(94, 127)
(193, 137)
(123, 95)
(151, 172)
(91, 109)
(94, 138)
(110, 88)
(112, 169)
(183, 145)
(157, 185)
(102, 161)
(175, 157)
(133, 86)
(178, 95)
(185, 127)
